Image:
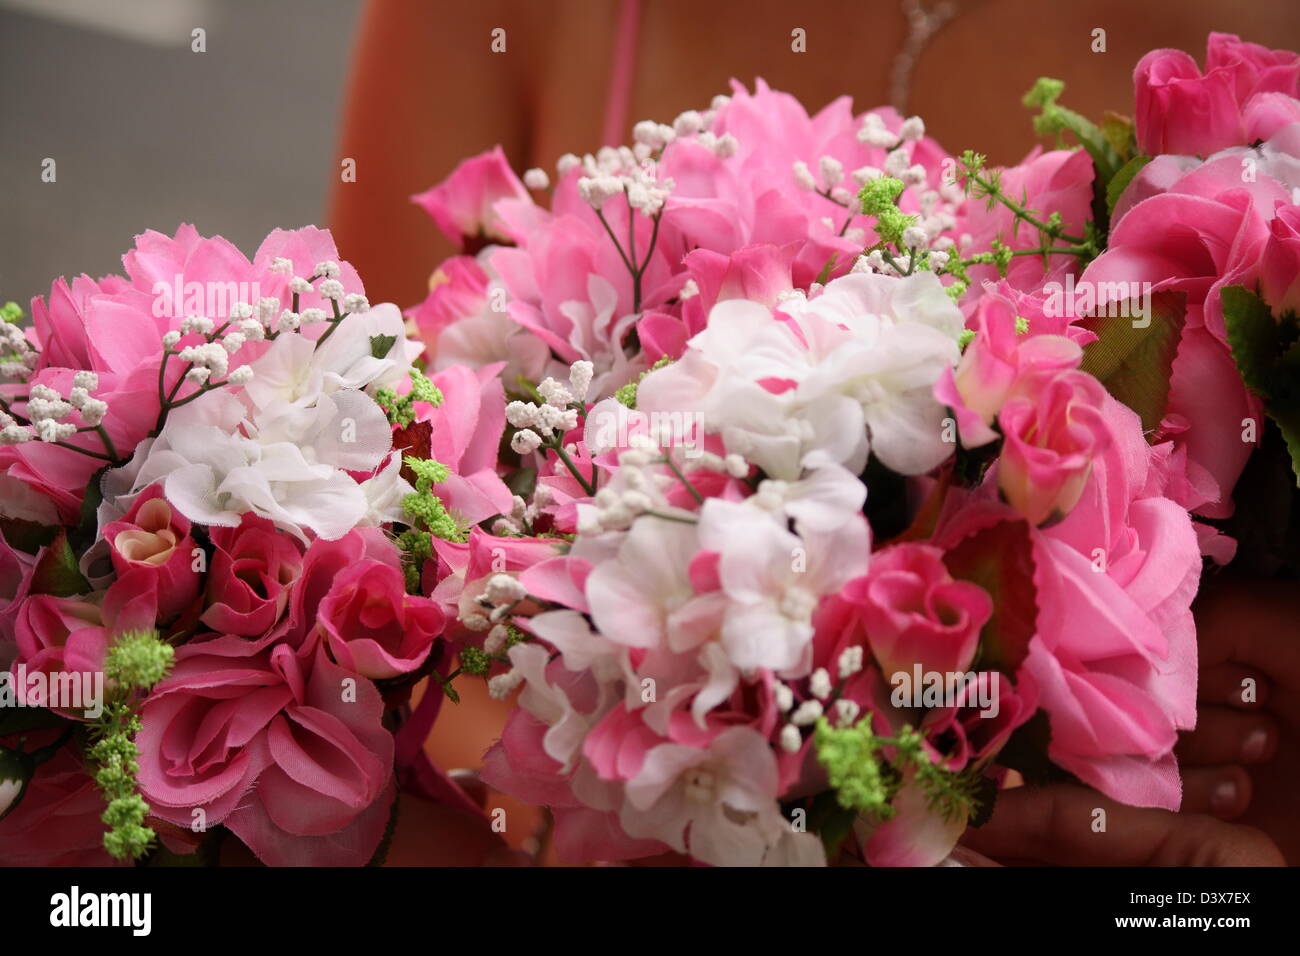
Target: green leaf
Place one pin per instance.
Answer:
(1118, 131)
(1000, 559)
(1119, 182)
(1288, 425)
(1252, 335)
(1133, 355)
(824, 276)
(56, 570)
(381, 345)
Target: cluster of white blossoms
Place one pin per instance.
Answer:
(630, 170)
(557, 413)
(48, 410)
(938, 207)
(862, 358)
(802, 718)
(285, 444)
(20, 357)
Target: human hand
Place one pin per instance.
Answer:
(1242, 761)
(1058, 825)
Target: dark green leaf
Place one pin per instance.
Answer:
(1134, 356)
(56, 570)
(381, 345)
(1252, 335)
(1119, 182)
(1000, 560)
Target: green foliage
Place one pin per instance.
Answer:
(879, 199)
(626, 395)
(135, 662)
(1119, 182)
(1135, 361)
(866, 771)
(1267, 352)
(400, 409)
(57, 571)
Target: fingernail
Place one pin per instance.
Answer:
(1255, 745)
(1224, 798)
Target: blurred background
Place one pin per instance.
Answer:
(147, 134)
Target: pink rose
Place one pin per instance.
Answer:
(1051, 439)
(1182, 110)
(16, 568)
(1179, 110)
(457, 290)
(69, 635)
(461, 204)
(373, 626)
(1254, 68)
(57, 823)
(155, 538)
(1279, 266)
(914, 612)
(292, 757)
(252, 570)
(997, 364)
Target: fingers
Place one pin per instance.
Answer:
(1070, 825)
(1223, 792)
(1228, 736)
(1233, 685)
(1249, 621)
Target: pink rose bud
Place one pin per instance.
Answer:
(462, 204)
(373, 626)
(1279, 266)
(156, 538)
(915, 613)
(1254, 68)
(1179, 110)
(1051, 439)
(458, 290)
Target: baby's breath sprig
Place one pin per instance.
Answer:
(135, 663)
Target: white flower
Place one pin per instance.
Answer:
(864, 362)
(525, 441)
(536, 179)
(717, 803)
(774, 579)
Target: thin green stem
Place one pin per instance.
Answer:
(588, 487)
(668, 460)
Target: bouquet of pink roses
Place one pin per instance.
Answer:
(853, 475)
(806, 486)
(207, 624)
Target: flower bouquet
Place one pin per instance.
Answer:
(804, 484)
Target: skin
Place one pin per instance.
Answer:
(427, 91)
